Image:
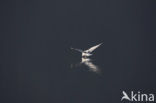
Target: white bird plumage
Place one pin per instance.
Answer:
(87, 53)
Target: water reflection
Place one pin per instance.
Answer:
(87, 62)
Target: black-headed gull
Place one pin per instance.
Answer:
(87, 53)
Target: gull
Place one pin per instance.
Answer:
(125, 96)
(87, 53)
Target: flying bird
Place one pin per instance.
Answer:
(125, 96)
(87, 53)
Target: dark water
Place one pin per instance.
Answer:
(38, 66)
(38, 76)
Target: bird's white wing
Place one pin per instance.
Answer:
(93, 48)
(77, 49)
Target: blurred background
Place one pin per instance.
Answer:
(35, 55)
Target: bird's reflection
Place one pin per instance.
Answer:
(88, 62)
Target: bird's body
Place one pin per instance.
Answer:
(87, 53)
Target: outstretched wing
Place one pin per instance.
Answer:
(93, 48)
(77, 49)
